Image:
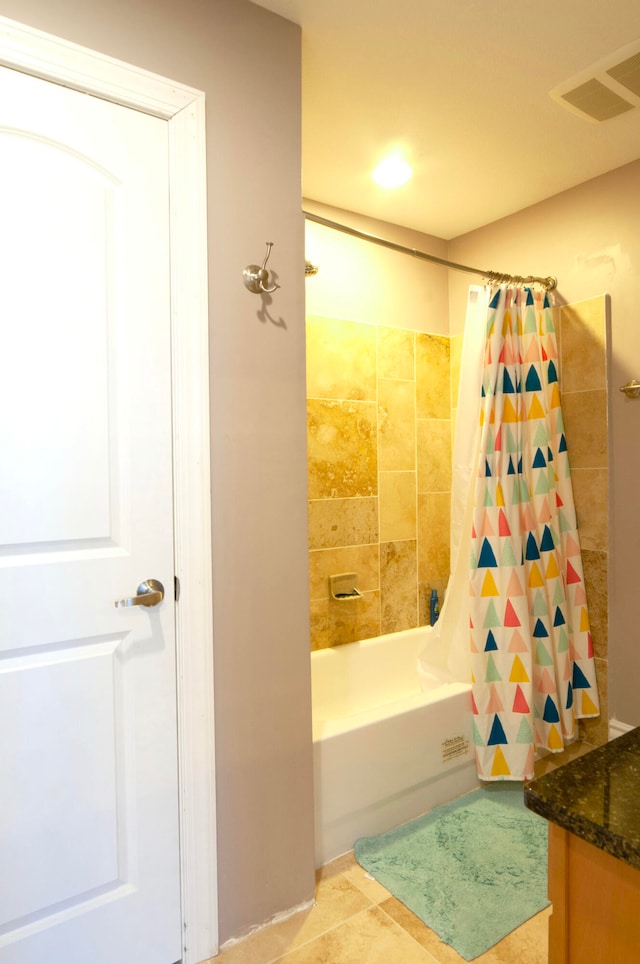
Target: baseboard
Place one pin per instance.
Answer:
(617, 728)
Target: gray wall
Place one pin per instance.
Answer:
(588, 237)
(248, 63)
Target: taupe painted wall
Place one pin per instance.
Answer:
(248, 63)
(360, 281)
(588, 237)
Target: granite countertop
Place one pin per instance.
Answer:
(596, 796)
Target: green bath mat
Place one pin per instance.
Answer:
(472, 870)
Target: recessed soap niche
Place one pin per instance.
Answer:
(344, 586)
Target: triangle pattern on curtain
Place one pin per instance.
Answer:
(531, 650)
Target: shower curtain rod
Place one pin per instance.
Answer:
(494, 276)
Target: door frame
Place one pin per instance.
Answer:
(51, 58)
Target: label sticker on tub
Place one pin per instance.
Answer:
(454, 747)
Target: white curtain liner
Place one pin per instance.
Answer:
(446, 654)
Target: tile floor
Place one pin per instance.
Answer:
(356, 921)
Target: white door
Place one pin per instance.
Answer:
(89, 856)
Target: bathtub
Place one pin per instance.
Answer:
(384, 751)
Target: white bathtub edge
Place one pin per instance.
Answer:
(326, 729)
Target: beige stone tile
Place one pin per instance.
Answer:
(526, 945)
(585, 419)
(397, 496)
(342, 451)
(419, 931)
(434, 455)
(591, 496)
(320, 629)
(596, 730)
(433, 376)
(348, 866)
(371, 937)
(595, 565)
(343, 522)
(334, 623)
(583, 345)
(433, 537)
(455, 348)
(341, 359)
(396, 353)
(363, 560)
(398, 586)
(396, 425)
(337, 900)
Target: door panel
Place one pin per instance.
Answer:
(46, 695)
(88, 750)
(57, 297)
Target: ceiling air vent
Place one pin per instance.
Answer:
(628, 74)
(609, 88)
(596, 100)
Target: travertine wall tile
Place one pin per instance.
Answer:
(585, 419)
(342, 450)
(433, 376)
(434, 455)
(396, 353)
(583, 345)
(434, 513)
(341, 359)
(583, 367)
(595, 566)
(398, 586)
(343, 522)
(334, 623)
(397, 505)
(396, 425)
(591, 495)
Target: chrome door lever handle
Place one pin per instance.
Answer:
(149, 593)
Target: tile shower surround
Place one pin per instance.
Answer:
(381, 412)
(582, 343)
(379, 443)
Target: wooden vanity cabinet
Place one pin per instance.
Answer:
(596, 904)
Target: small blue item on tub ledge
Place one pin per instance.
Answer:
(434, 607)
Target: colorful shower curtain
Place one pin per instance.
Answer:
(531, 652)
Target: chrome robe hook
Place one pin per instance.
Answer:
(256, 277)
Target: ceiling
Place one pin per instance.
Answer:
(462, 87)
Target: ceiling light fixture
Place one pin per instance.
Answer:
(392, 172)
